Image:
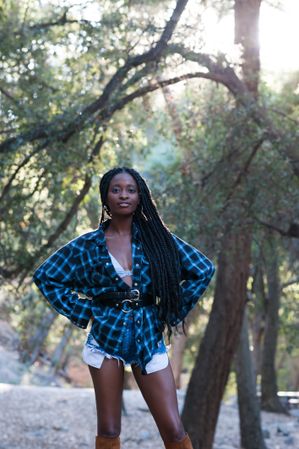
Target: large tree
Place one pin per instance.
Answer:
(221, 338)
(51, 144)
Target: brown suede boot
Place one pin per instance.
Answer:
(107, 443)
(185, 443)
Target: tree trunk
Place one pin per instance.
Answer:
(35, 342)
(220, 341)
(249, 411)
(258, 320)
(56, 359)
(247, 34)
(270, 400)
(178, 345)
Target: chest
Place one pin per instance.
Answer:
(121, 249)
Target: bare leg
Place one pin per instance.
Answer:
(108, 386)
(159, 392)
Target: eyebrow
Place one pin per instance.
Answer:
(127, 185)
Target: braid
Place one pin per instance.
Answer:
(104, 187)
(158, 245)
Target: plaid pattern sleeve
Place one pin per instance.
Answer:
(55, 279)
(83, 267)
(197, 272)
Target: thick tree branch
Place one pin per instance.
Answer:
(217, 70)
(293, 230)
(106, 113)
(104, 116)
(226, 75)
(151, 87)
(63, 134)
(287, 284)
(153, 55)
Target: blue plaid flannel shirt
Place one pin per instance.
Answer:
(82, 269)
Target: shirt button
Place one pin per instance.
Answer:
(138, 340)
(107, 263)
(137, 265)
(125, 323)
(135, 283)
(138, 321)
(116, 278)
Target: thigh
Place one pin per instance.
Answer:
(159, 392)
(108, 386)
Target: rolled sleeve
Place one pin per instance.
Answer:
(196, 274)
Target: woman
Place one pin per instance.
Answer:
(133, 278)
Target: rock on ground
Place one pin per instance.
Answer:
(65, 418)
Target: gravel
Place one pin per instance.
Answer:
(35, 417)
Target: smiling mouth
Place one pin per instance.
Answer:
(124, 204)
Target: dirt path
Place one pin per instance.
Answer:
(64, 418)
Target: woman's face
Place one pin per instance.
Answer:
(123, 195)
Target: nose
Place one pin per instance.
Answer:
(123, 194)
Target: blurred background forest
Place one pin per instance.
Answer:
(205, 106)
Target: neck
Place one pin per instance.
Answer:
(120, 225)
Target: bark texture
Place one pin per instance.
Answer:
(57, 357)
(270, 400)
(178, 345)
(258, 320)
(249, 410)
(247, 34)
(220, 341)
(35, 343)
(247, 14)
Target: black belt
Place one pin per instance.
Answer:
(131, 298)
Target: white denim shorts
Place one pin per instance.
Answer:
(94, 356)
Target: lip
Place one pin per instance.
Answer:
(124, 204)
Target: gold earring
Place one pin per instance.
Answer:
(107, 210)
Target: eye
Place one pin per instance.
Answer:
(132, 190)
(115, 189)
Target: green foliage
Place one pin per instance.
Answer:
(195, 182)
(54, 63)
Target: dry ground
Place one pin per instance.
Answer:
(35, 417)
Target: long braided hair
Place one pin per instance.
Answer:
(158, 245)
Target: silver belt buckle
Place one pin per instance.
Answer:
(123, 302)
(137, 292)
